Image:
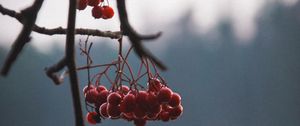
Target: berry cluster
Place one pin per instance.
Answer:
(127, 97)
(99, 9)
(157, 102)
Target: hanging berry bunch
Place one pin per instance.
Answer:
(101, 9)
(126, 97)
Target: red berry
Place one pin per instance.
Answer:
(176, 111)
(101, 88)
(93, 2)
(164, 95)
(140, 122)
(103, 110)
(141, 97)
(87, 88)
(91, 96)
(124, 89)
(102, 97)
(107, 12)
(97, 12)
(141, 100)
(128, 104)
(152, 99)
(82, 4)
(113, 111)
(139, 113)
(164, 116)
(100, 100)
(114, 98)
(155, 108)
(93, 118)
(134, 92)
(127, 116)
(152, 116)
(175, 100)
(154, 85)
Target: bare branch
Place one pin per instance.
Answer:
(11, 13)
(134, 37)
(60, 30)
(70, 62)
(79, 31)
(28, 17)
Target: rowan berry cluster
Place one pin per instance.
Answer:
(126, 97)
(99, 10)
(158, 102)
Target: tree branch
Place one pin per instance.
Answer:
(79, 31)
(60, 30)
(70, 62)
(134, 37)
(51, 71)
(28, 18)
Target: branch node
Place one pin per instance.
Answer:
(51, 71)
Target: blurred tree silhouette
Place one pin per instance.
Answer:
(223, 84)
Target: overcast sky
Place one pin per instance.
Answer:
(147, 16)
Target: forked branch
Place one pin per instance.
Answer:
(134, 37)
(28, 17)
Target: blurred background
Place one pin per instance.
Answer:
(234, 62)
